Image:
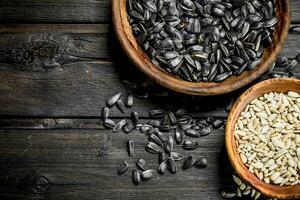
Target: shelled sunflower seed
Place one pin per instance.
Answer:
(203, 40)
(242, 191)
(268, 139)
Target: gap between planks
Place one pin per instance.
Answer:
(62, 28)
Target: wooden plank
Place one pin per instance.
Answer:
(72, 74)
(82, 164)
(68, 11)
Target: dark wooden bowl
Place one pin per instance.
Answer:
(141, 60)
(272, 85)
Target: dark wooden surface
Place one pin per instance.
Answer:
(59, 61)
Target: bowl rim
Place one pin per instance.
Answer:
(141, 60)
(233, 155)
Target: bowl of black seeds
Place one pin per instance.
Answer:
(202, 47)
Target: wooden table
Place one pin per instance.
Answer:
(59, 62)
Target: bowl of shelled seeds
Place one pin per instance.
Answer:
(263, 137)
(202, 47)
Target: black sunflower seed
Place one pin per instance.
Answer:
(200, 163)
(136, 176)
(156, 140)
(162, 168)
(171, 165)
(157, 113)
(121, 106)
(169, 146)
(118, 127)
(178, 136)
(190, 145)
(109, 123)
(141, 164)
(176, 156)
(122, 168)
(129, 101)
(113, 99)
(204, 131)
(152, 148)
(130, 147)
(188, 162)
(135, 117)
(161, 157)
(192, 133)
(105, 113)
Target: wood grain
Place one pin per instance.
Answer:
(82, 164)
(72, 74)
(68, 11)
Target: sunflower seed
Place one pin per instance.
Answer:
(200, 163)
(128, 127)
(105, 113)
(190, 145)
(171, 165)
(152, 148)
(113, 99)
(192, 133)
(141, 164)
(135, 117)
(118, 127)
(122, 168)
(157, 113)
(176, 156)
(204, 131)
(188, 162)
(161, 157)
(156, 140)
(162, 168)
(178, 136)
(130, 147)
(169, 146)
(109, 123)
(129, 101)
(120, 105)
(136, 177)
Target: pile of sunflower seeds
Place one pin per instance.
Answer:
(267, 135)
(181, 126)
(203, 40)
(243, 190)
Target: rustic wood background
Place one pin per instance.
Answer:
(59, 61)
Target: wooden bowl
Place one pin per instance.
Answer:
(272, 85)
(141, 60)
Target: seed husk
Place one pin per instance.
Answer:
(161, 157)
(118, 127)
(152, 148)
(136, 177)
(135, 117)
(169, 146)
(156, 140)
(141, 164)
(122, 168)
(130, 147)
(190, 145)
(128, 127)
(188, 162)
(200, 163)
(176, 156)
(113, 99)
(120, 105)
(192, 133)
(171, 165)
(157, 113)
(147, 174)
(204, 131)
(109, 123)
(105, 113)
(129, 102)
(178, 136)
(162, 168)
